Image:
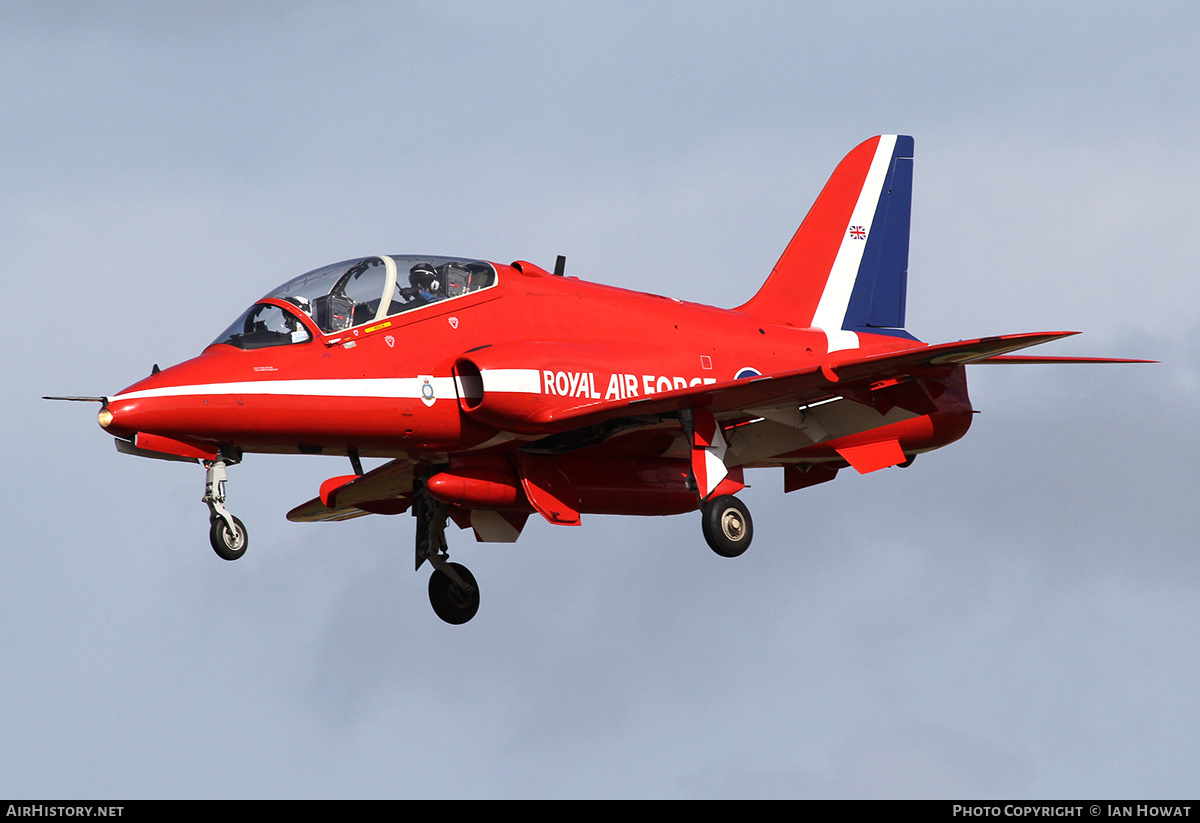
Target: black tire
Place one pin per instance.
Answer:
(727, 525)
(452, 602)
(228, 545)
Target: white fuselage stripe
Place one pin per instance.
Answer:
(517, 381)
(377, 387)
(831, 310)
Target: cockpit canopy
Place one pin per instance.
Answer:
(356, 292)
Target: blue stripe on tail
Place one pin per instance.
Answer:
(877, 303)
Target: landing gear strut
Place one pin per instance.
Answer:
(226, 533)
(453, 592)
(727, 525)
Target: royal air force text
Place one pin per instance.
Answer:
(619, 387)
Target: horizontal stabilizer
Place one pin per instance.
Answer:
(1062, 360)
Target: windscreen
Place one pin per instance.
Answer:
(355, 292)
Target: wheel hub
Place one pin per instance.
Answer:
(732, 525)
(233, 537)
(458, 596)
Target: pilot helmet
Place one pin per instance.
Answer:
(300, 302)
(423, 276)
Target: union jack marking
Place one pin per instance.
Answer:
(858, 233)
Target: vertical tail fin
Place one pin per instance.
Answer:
(846, 269)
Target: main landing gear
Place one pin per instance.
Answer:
(227, 533)
(453, 592)
(727, 525)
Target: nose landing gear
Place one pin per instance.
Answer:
(226, 533)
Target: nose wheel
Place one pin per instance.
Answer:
(226, 533)
(727, 525)
(228, 542)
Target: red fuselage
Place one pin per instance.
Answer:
(388, 389)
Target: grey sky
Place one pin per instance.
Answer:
(1015, 615)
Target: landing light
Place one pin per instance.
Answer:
(104, 418)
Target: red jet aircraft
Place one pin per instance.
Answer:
(500, 391)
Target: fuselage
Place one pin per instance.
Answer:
(400, 385)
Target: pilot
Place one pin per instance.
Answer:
(425, 284)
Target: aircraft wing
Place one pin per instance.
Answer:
(388, 488)
(796, 387)
(385, 490)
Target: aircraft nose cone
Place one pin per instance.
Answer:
(138, 408)
(176, 402)
(118, 418)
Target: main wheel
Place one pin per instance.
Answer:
(727, 525)
(229, 545)
(451, 602)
